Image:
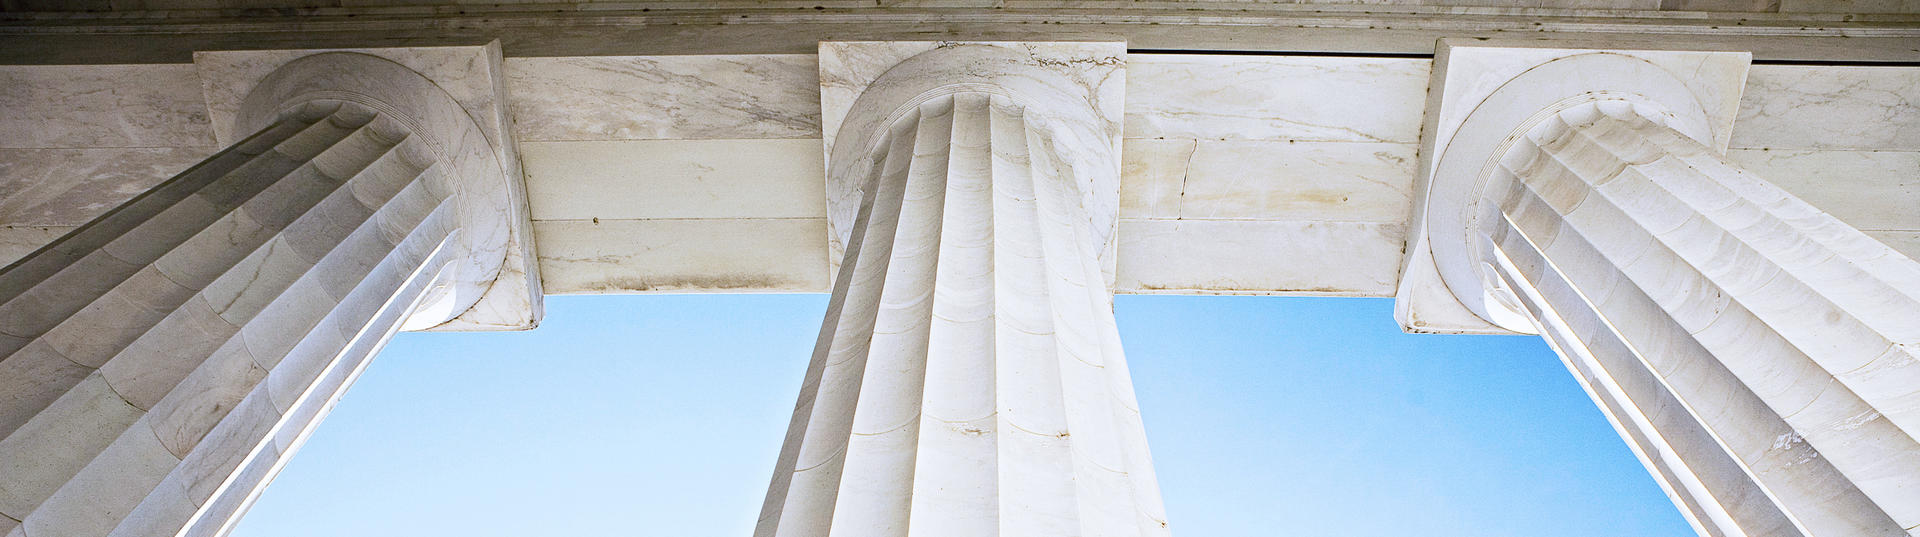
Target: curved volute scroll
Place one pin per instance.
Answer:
(160, 364)
(1760, 356)
(969, 378)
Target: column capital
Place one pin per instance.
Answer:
(1485, 96)
(1073, 90)
(452, 97)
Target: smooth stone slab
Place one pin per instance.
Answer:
(644, 179)
(1223, 97)
(683, 256)
(1869, 190)
(18, 241)
(69, 187)
(665, 97)
(92, 106)
(1905, 242)
(1268, 180)
(1259, 257)
(1830, 107)
(1152, 172)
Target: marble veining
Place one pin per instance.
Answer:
(665, 97)
(98, 106)
(68, 187)
(1830, 107)
(1275, 98)
(1275, 180)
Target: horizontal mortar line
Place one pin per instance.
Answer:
(1839, 63)
(1322, 17)
(1309, 53)
(528, 141)
(683, 219)
(1822, 150)
(831, 9)
(1255, 220)
(102, 147)
(1144, 290)
(1271, 140)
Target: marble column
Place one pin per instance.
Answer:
(1693, 284)
(159, 364)
(968, 379)
(1759, 355)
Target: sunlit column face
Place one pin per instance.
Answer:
(159, 364)
(970, 379)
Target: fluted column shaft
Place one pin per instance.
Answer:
(159, 364)
(1758, 354)
(968, 379)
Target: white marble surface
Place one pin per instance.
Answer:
(652, 179)
(67, 187)
(679, 256)
(1484, 92)
(1869, 190)
(98, 106)
(665, 97)
(1629, 243)
(1224, 97)
(1268, 180)
(463, 72)
(1076, 88)
(1182, 98)
(453, 97)
(1259, 257)
(1830, 107)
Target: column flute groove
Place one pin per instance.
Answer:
(961, 385)
(159, 364)
(1755, 312)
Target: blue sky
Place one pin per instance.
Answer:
(662, 415)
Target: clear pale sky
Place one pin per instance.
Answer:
(662, 415)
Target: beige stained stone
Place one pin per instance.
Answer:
(1259, 257)
(656, 179)
(694, 97)
(1303, 181)
(744, 255)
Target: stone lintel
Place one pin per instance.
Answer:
(1486, 94)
